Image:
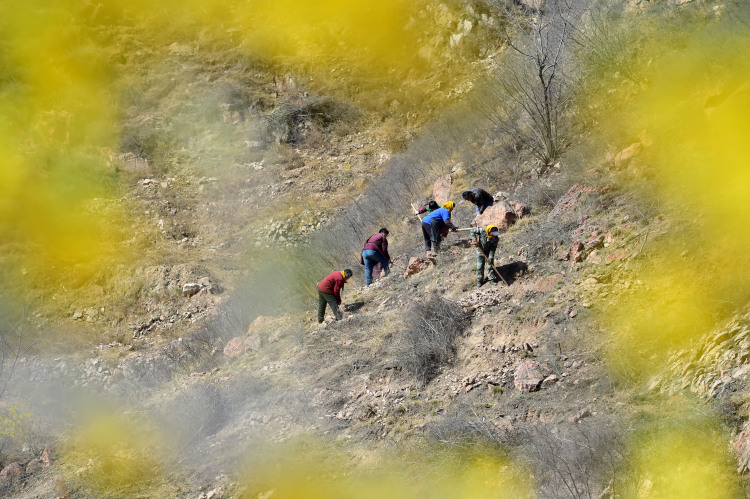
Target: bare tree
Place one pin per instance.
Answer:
(534, 83)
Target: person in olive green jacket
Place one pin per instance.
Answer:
(486, 238)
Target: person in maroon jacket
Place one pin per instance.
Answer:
(329, 292)
(375, 252)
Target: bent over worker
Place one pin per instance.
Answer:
(375, 252)
(429, 207)
(329, 292)
(435, 226)
(486, 239)
(479, 197)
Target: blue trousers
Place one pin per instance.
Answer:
(372, 258)
(482, 207)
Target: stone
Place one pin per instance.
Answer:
(12, 470)
(521, 209)
(742, 450)
(261, 320)
(416, 264)
(441, 189)
(190, 288)
(583, 413)
(33, 466)
(569, 200)
(550, 380)
(614, 257)
(240, 345)
(621, 158)
(528, 377)
(576, 252)
(500, 214)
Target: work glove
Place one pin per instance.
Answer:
(475, 243)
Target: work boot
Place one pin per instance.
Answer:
(494, 283)
(479, 283)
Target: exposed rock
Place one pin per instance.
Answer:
(528, 377)
(12, 470)
(190, 288)
(500, 214)
(416, 264)
(33, 466)
(259, 321)
(521, 209)
(569, 200)
(625, 155)
(576, 252)
(742, 449)
(550, 380)
(583, 413)
(441, 190)
(614, 257)
(241, 345)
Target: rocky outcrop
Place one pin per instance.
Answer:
(416, 264)
(569, 201)
(241, 345)
(441, 189)
(528, 376)
(500, 214)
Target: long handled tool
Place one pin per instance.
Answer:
(493, 265)
(415, 211)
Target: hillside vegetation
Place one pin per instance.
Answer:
(176, 179)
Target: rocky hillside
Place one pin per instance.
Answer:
(180, 355)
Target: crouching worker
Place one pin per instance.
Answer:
(375, 252)
(435, 226)
(329, 292)
(486, 239)
(479, 197)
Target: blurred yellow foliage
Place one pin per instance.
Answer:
(693, 120)
(107, 455)
(313, 469)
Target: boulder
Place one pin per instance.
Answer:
(528, 377)
(33, 466)
(500, 214)
(241, 345)
(441, 190)
(190, 288)
(521, 209)
(577, 252)
(621, 158)
(12, 470)
(416, 264)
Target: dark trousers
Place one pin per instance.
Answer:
(432, 234)
(323, 299)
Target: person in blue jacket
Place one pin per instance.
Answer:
(435, 225)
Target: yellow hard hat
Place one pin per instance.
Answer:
(448, 205)
(490, 228)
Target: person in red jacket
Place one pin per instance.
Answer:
(375, 252)
(329, 292)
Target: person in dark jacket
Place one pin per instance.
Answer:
(375, 252)
(428, 208)
(479, 197)
(486, 239)
(435, 225)
(329, 292)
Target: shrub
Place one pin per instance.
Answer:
(429, 341)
